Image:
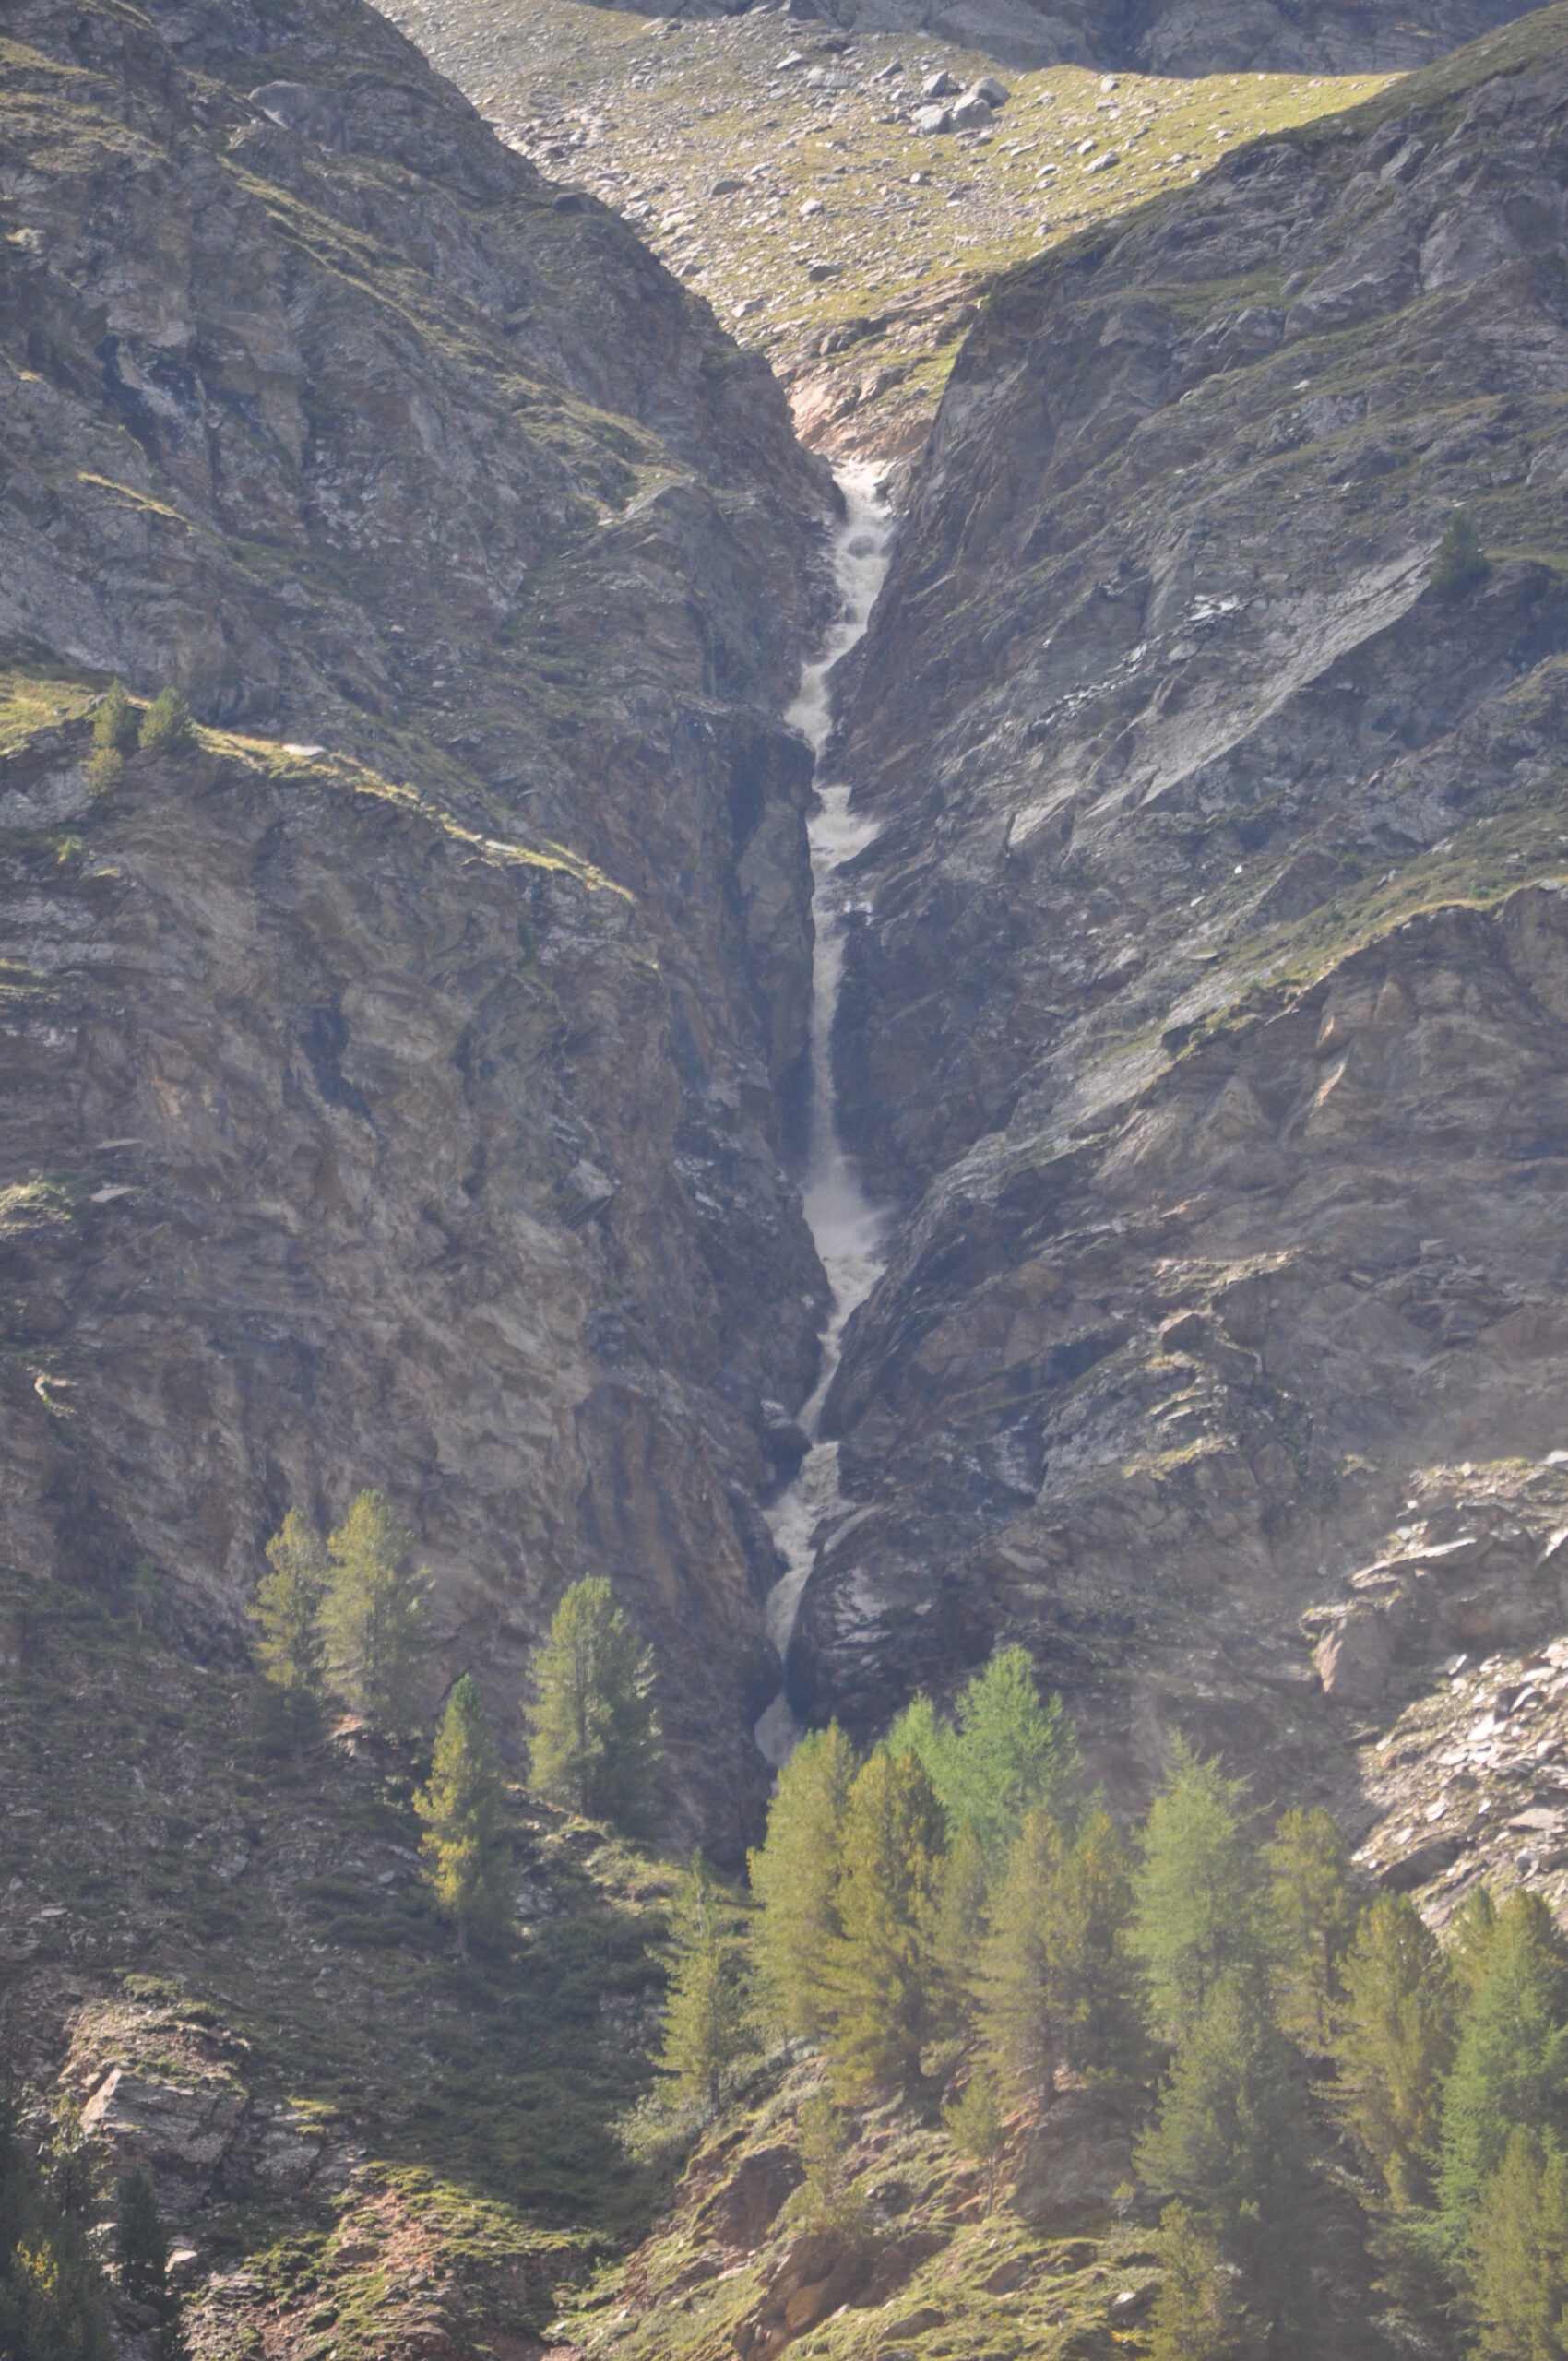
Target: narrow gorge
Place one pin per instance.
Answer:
(878, 954)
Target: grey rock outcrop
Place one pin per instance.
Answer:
(1207, 1012)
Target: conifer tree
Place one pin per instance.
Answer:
(1518, 2255)
(1228, 2139)
(1511, 2065)
(962, 1921)
(1011, 1753)
(921, 1731)
(1019, 2009)
(974, 2124)
(1395, 2046)
(1469, 1939)
(114, 736)
(795, 1877)
(887, 1982)
(1311, 1917)
(827, 2198)
(705, 2016)
(468, 1856)
(1198, 1904)
(1056, 1978)
(141, 2242)
(594, 1735)
(52, 2292)
(166, 726)
(374, 1614)
(1195, 2316)
(287, 1611)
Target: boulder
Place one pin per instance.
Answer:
(932, 119)
(940, 85)
(994, 93)
(971, 114)
(178, 2136)
(1352, 1658)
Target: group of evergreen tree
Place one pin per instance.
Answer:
(963, 1884)
(345, 1617)
(164, 728)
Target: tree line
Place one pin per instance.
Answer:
(961, 1908)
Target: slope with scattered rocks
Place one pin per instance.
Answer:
(818, 188)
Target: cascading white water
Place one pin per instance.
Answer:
(842, 1220)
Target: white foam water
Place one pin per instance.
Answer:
(843, 1221)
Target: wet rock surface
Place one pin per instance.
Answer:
(394, 1082)
(1205, 1017)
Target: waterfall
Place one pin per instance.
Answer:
(844, 1223)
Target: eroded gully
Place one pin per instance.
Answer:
(843, 1221)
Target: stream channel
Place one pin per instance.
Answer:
(845, 1224)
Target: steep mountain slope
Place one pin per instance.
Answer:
(1206, 1013)
(394, 1080)
(1179, 36)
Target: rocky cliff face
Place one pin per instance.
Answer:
(394, 1081)
(1206, 1017)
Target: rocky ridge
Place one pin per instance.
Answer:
(1205, 1015)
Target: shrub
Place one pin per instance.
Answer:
(114, 724)
(166, 725)
(1461, 562)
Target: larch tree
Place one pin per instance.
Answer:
(1008, 1753)
(1518, 2255)
(887, 1982)
(794, 1875)
(468, 1855)
(1017, 2004)
(1511, 2064)
(1195, 2315)
(1311, 1917)
(374, 1615)
(1198, 1902)
(287, 1615)
(1056, 1981)
(1228, 2139)
(975, 2124)
(593, 1732)
(52, 2290)
(1394, 2045)
(705, 2027)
